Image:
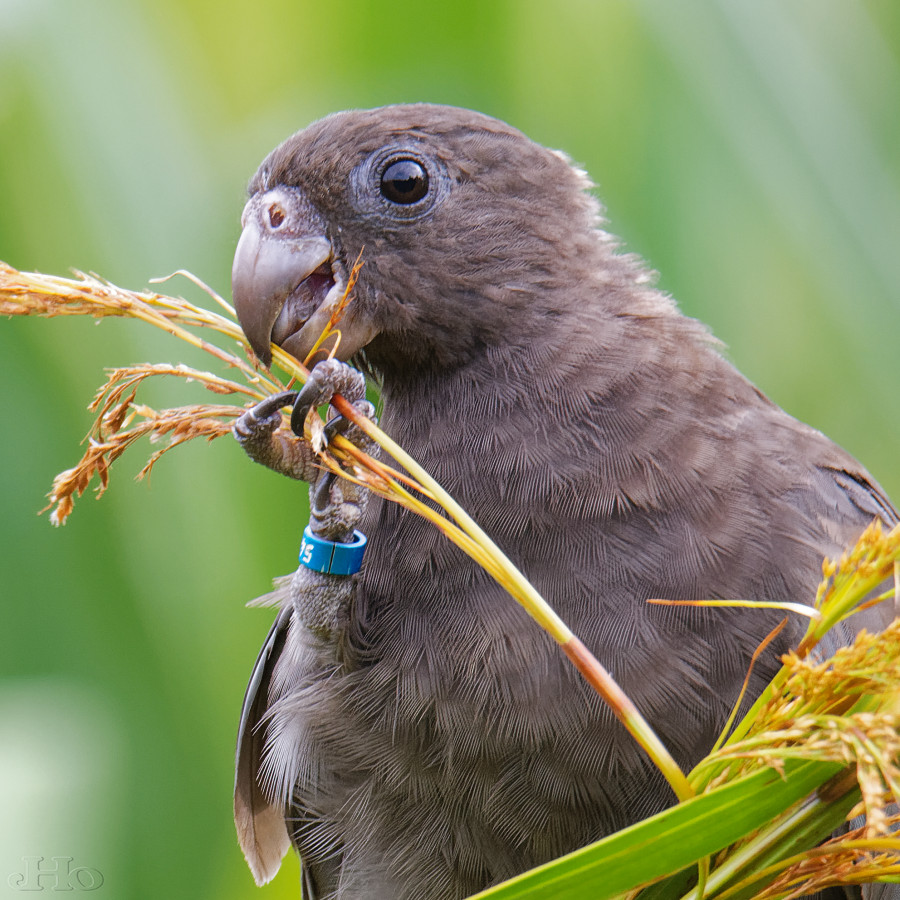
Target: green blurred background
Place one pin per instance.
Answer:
(747, 148)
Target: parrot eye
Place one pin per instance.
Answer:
(404, 181)
(399, 183)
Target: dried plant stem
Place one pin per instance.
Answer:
(602, 682)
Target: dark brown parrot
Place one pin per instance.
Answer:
(408, 728)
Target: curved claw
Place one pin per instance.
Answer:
(341, 425)
(327, 379)
(307, 397)
(335, 508)
(320, 495)
(335, 426)
(298, 417)
(270, 405)
(261, 420)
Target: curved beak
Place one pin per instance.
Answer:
(281, 272)
(287, 284)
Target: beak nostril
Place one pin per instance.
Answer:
(276, 216)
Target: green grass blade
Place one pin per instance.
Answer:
(670, 841)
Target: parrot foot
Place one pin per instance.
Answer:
(327, 378)
(336, 506)
(258, 430)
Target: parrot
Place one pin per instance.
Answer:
(408, 729)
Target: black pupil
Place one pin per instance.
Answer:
(404, 181)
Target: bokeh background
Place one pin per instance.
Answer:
(748, 149)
